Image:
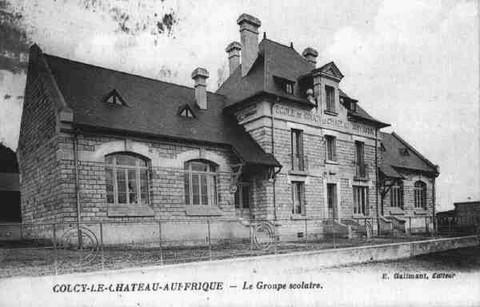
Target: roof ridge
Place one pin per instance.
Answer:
(415, 151)
(126, 73)
(288, 47)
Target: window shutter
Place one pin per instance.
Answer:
(302, 198)
(292, 149)
(334, 149)
(300, 150)
(293, 198)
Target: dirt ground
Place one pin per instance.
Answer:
(27, 260)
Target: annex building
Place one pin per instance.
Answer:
(278, 141)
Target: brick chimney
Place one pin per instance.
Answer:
(233, 51)
(310, 55)
(249, 37)
(200, 75)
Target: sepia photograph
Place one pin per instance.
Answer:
(232, 153)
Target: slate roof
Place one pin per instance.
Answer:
(388, 171)
(152, 108)
(360, 113)
(393, 157)
(277, 61)
(274, 59)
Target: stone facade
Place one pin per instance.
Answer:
(314, 124)
(418, 219)
(329, 158)
(37, 149)
(166, 164)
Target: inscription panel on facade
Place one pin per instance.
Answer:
(324, 121)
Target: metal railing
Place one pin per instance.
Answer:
(299, 163)
(55, 248)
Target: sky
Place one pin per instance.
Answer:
(414, 64)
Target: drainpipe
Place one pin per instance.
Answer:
(433, 209)
(273, 154)
(376, 181)
(77, 186)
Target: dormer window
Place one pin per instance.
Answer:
(330, 98)
(186, 111)
(353, 106)
(289, 88)
(404, 151)
(114, 98)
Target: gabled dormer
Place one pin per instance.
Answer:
(284, 85)
(331, 71)
(186, 111)
(326, 81)
(114, 98)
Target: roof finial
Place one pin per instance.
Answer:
(291, 45)
(264, 35)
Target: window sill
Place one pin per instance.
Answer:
(202, 210)
(360, 216)
(129, 210)
(298, 217)
(331, 162)
(328, 112)
(420, 212)
(359, 178)
(396, 211)
(297, 172)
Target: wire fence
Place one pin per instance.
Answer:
(58, 248)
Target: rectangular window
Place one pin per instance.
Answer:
(242, 196)
(200, 183)
(298, 198)
(332, 200)
(420, 194)
(330, 98)
(361, 167)
(360, 200)
(289, 88)
(297, 150)
(331, 148)
(126, 179)
(396, 196)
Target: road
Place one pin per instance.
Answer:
(464, 260)
(370, 284)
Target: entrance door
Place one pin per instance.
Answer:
(332, 200)
(242, 201)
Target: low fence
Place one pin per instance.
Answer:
(54, 248)
(458, 225)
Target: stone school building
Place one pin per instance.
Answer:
(278, 141)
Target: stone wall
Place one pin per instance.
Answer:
(409, 197)
(318, 172)
(166, 188)
(37, 153)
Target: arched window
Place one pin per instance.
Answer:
(396, 194)
(126, 179)
(420, 192)
(200, 182)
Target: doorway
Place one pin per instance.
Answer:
(332, 201)
(243, 200)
